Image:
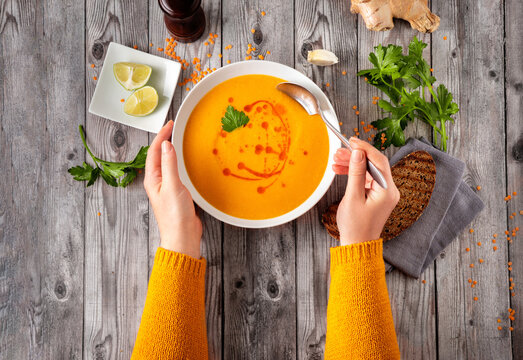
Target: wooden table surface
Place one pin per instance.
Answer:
(73, 284)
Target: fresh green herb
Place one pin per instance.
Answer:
(404, 78)
(233, 119)
(114, 173)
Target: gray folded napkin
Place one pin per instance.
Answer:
(452, 206)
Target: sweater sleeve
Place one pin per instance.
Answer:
(359, 317)
(173, 321)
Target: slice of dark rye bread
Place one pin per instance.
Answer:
(415, 177)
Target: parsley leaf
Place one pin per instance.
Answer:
(81, 173)
(233, 119)
(404, 79)
(114, 173)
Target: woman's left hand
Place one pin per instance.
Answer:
(180, 227)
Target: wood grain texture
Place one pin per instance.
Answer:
(470, 63)
(322, 24)
(116, 244)
(211, 246)
(259, 265)
(514, 156)
(412, 302)
(41, 250)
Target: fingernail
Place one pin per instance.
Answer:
(166, 147)
(356, 156)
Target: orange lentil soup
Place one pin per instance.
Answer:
(264, 169)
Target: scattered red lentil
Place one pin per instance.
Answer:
(327, 84)
(478, 188)
(471, 231)
(470, 281)
(253, 31)
(423, 281)
(475, 298)
(268, 52)
(135, 47)
(122, 100)
(514, 193)
(500, 328)
(357, 112)
(151, 44)
(474, 282)
(493, 241)
(467, 249)
(95, 78)
(495, 248)
(159, 49)
(431, 70)
(499, 320)
(495, 235)
(92, 65)
(481, 261)
(228, 61)
(471, 265)
(444, 38)
(263, 13)
(511, 328)
(479, 243)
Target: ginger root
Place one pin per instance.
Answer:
(378, 14)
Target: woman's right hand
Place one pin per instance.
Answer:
(366, 206)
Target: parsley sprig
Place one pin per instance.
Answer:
(114, 173)
(404, 79)
(233, 119)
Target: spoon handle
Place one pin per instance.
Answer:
(371, 168)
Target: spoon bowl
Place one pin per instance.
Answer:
(309, 102)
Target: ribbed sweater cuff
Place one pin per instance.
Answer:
(179, 262)
(365, 251)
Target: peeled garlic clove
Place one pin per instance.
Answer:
(321, 57)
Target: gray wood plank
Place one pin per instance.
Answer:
(514, 148)
(412, 302)
(116, 246)
(211, 248)
(41, 250)
(470, 63)
(259, 265)
(329, 25)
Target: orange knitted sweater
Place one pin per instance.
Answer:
(359, 318)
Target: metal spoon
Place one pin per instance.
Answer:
(309, 102)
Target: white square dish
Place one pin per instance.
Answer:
(106, 101)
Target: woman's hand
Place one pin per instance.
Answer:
(180, 227)
(366, 206)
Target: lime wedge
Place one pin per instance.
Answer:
(141, 102)
(131, 76)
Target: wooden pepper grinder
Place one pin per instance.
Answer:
(184, 19)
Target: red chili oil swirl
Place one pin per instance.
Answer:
(277, 110)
